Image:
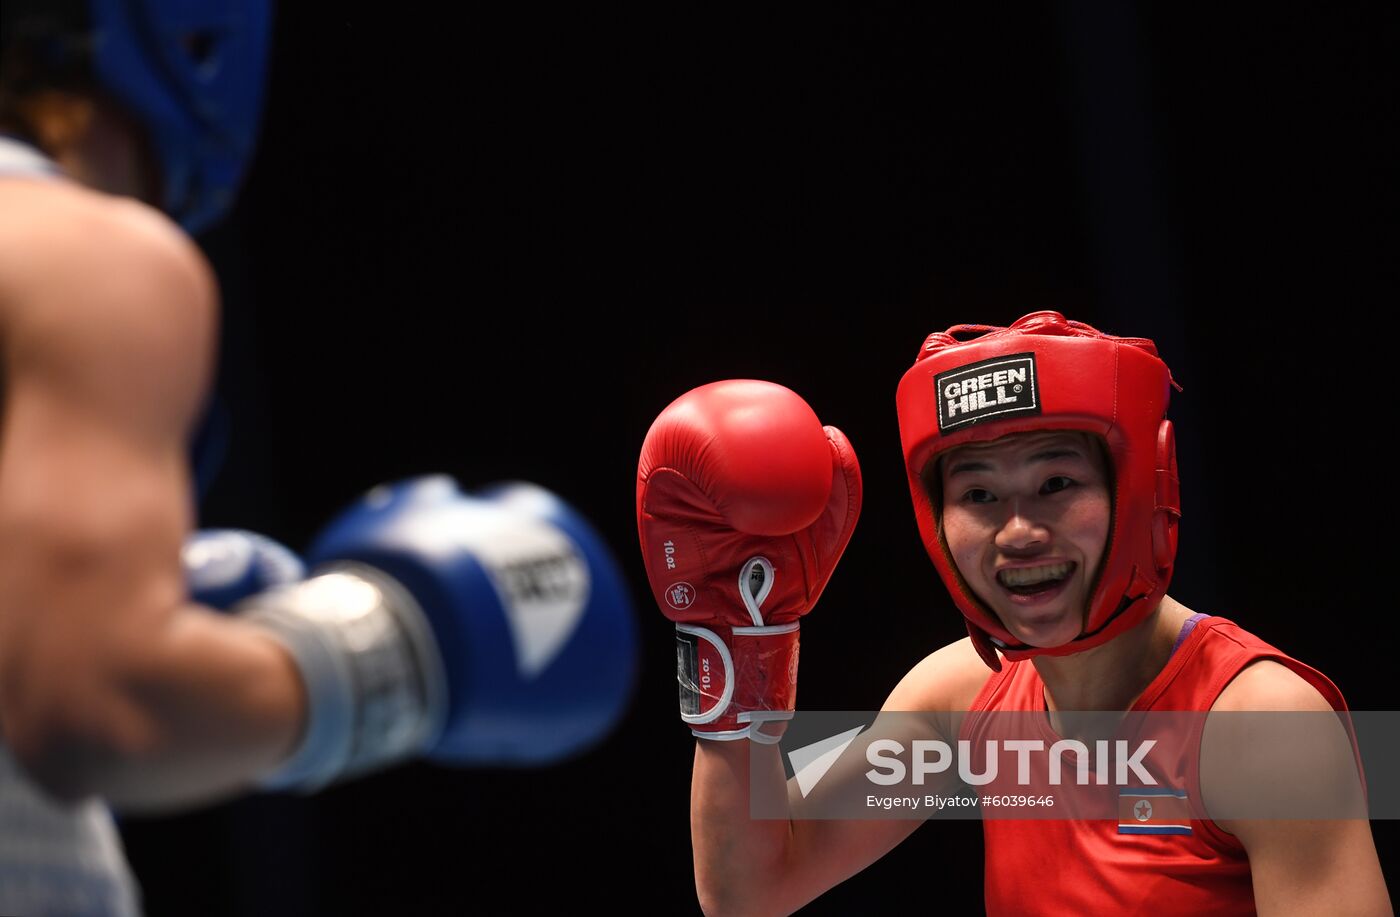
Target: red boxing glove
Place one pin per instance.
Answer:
(744, 504)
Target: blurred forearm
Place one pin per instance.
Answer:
(189, 710)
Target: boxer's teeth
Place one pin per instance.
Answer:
(1029, 576)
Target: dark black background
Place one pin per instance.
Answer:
(497, 245)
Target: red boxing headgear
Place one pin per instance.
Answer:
(1047, 373)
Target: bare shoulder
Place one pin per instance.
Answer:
(1240, 754)
(1295, 788)
(1268, 685)
(946, 679)
(69, 254)
(100, 296)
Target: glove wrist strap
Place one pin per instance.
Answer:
(734, 679)
(374, 681)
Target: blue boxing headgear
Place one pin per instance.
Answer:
(190, 71)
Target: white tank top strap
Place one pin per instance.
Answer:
(19, 158)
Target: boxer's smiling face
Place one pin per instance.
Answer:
(1026, 518)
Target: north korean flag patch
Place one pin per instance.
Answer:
(1153, 810)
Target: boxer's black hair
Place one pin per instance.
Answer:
(44, 44)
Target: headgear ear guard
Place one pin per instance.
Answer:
(1047, 373)
(190, 71)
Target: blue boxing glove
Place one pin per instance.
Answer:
(476, 629)
(225, 566)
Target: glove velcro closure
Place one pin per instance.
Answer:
(732, 679)
(375, 687)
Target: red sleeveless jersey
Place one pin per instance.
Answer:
(1060, 867)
